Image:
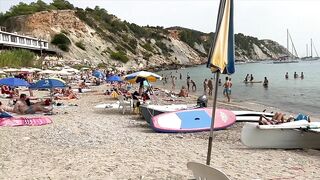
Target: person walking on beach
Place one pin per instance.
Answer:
(302, 76)
(287, 75)
(173, 82)
(205, 86)
(180, 76)
(194, 87)
(188, 82)
(227, 88)
(265, 82)
(210, 86)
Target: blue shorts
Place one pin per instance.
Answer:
(226, 91)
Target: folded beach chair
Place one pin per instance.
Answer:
(201, 171)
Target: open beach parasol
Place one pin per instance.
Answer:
(141, 76)
(114, 78)
(221, 55)
(14, 82)
(98, 74)
(49, 83)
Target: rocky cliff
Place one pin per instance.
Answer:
(104, 37)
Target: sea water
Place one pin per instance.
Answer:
(292, 95)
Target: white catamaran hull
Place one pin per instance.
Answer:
(254, 137)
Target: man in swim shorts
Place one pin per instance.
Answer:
(21, 106)
(227, 88)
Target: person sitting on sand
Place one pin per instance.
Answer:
(21, 106)
(5, 89)
(277, 118)
(68, 94)
(183, 92)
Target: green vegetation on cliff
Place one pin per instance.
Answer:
(18, 58)
(62, 41)
(131, 40)
(39, 5)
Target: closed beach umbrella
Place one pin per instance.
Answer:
(13, 82)
(49, 84)
(114, 79)
(221, 55)
(141, 76)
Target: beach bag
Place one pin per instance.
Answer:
(302, 117)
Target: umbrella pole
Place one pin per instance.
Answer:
(213, 118)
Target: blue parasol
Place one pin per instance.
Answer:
(49, 84)
(114, 78)
(98, 74)
(14, 82)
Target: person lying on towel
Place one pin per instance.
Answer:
(68, 94)
(277, 118)
(21, 106)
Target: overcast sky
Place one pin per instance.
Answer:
(264, 19)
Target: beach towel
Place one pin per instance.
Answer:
(25, 121)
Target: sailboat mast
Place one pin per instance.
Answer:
(307, 50)
(311, 47)
(288, 43)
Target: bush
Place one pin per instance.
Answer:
(18, 58)
(80, 45)
(62, 41)
(147, 47)
(120, 56)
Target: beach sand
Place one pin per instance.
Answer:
(86, 143)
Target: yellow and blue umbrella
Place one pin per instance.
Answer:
(221, 55)
(141, 76)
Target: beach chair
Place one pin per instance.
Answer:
(124, 104)
(201, 171)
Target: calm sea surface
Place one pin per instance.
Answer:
(292, 95)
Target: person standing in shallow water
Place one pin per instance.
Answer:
(301, 76)
(287, 75)
(194, 87)
(227, 88)
(210, 86)
(188, 82)
(205, 86)
(295, 75)
(265, 82)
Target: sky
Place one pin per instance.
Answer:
(264, 19)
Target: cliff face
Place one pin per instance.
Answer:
(104, 35)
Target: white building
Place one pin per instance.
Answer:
(21, 41)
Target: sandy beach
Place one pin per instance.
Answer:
(86, 143)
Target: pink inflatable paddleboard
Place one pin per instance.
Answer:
(193, 120)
